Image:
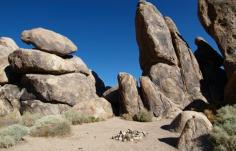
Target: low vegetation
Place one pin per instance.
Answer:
(141, 116)
(223, 135)
(75, 118)
(51, 125)
(11, 135)
(29, 119)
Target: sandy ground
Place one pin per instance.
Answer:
(97, 137)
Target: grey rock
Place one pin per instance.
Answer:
(130, 99)
(5, 72)
(9, 99)
(49, 41)
(177, 125)
(189, 68)
(169, 81)
(195, 136)
(68, 88)
(8, 42)
(153, 37)
(219, 20)
(95, 107)
(42, 108)
(155, 101)
(35, 61)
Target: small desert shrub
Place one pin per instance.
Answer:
(11, 135)
(223, 136)
(75, 118)
(51, 125)
(29, 119)
(127, 116)
(143, 116)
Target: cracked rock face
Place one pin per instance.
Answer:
(130, 99)
(167, 60)
(49, 41)
(194, 136)
(36, 61)
(219, 20)
(67, 88)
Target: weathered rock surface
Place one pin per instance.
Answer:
(36, 61)
(168, 80)
(130, 99)
(194, 136)
(155, 101)
(113, 96)
(219, 20)
(48, 41)
(5, 72)
(189, 68)
(167, 60)
(9, 99)
(178, 124)
(214, 77)
(68, 88)
(42, 108)
(8, 42)
(153, 37)
(95, 107)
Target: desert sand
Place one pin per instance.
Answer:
(97, 137)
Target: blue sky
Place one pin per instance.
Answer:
(103, 30)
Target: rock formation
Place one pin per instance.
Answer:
(178, 124)
(51, 79)
(130, 100)
(49, 41)
(210, 63)
(194, 136)
(219, 20)
(167, 60)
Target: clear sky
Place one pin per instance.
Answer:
(103, 30)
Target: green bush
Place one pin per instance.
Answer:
(11, 135)
(51, 125)
(75, 118)
(223, 136)
(29, 119)
(143, 116)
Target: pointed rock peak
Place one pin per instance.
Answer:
(171, 25)
(199, 41)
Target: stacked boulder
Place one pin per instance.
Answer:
(52, 79)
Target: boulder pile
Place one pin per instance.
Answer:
(51, 79)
